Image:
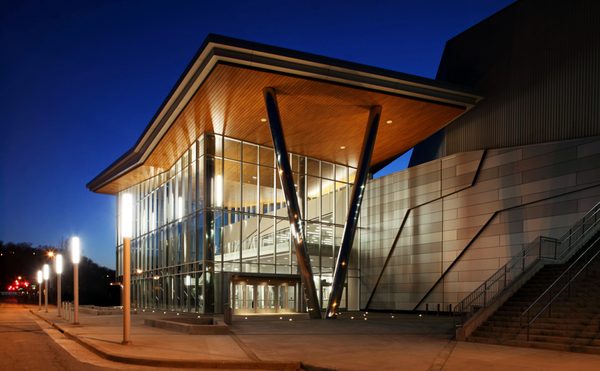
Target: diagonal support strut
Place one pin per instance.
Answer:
(293, 208)
(362, 174)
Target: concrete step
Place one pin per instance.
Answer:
(552, 316)
(565, 340)
(540, 345)
(567, 303)
(574, 324)
(580, 331)
(547, 323)
(587, 294)
(584, 332)
(574, 286)
(590, 349)
(558, 308)
(552, 321)
(559, 304)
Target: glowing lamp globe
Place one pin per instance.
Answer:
(126, 210)
(75, 250)
(46, 271)
(58, 264)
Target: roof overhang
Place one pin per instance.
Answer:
(324, 103)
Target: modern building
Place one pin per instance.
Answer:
(253, 183)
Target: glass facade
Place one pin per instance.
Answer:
(220, 213)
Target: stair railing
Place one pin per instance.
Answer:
(546, 248)
(488, 291)
(579, 233)
(561, 284)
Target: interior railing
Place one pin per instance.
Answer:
(564, 282)
(549, 249)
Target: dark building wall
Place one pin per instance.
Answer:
(537, 65)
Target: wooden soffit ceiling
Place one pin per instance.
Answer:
(319, 118)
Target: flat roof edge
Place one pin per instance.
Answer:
(218, 48)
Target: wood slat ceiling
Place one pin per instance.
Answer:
(318, 118)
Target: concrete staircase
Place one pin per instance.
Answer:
(573, 324)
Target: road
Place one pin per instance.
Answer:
(25, 346)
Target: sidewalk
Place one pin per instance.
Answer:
(404, 342)
(157, 347)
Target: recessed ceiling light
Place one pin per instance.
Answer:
(342, 147)
(253, 176)
(388, 121)
(263, 120)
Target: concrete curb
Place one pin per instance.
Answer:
(162, 362)
(186, 328)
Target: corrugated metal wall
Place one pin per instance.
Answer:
(537, 63)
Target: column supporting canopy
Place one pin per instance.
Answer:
(284, 170)
(358, 188)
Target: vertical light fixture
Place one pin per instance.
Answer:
(58, 268)
(46, 271)
(180, 212)
(218, 191)
(126, 210)
(40, 280)
(75, 258)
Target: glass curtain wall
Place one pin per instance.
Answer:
(221, 208)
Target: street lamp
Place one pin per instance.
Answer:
(75, 258)
(46, 271)
(58, 268)
(40, 280)
(126, 232)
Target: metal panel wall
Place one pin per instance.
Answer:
(467, 215)
(537, 63)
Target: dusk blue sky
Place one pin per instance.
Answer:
(80, 80)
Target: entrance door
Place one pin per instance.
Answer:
(243, 297)
(325, 291)
(255, 296)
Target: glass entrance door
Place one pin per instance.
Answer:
(325, 291)
(252, 297)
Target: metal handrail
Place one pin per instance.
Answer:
(497, 283)
(566, 273)
(572, 240)
(581, 238)
(573, 236)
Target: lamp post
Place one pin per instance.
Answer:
(40, 280)
(75, 258)
(58, 268)
(46, 271)
(126, 232)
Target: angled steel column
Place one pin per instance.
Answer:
(360, 181)
(210, 228)
(294, 212)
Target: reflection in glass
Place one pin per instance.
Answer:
(232, 149)
(221, 208)
(267, 156)
(250, 188)
(267, 190)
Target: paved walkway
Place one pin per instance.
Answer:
(365, 342)
(25, 346)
